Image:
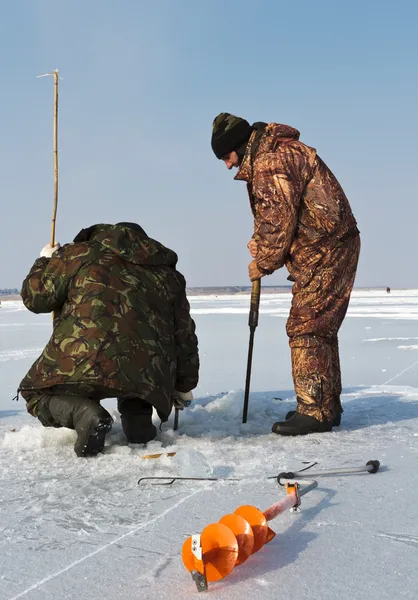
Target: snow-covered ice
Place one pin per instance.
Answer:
(83, 528)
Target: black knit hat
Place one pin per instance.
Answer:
(228, 133)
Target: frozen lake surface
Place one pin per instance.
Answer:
(73, 528)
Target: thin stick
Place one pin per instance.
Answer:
(55, 75)
(54, 211)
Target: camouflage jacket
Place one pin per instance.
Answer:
(122, 320)
(300, 210)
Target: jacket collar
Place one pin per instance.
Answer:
(245, 171)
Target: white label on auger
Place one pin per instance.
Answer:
(196, 547)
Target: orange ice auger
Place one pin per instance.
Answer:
(211, 555)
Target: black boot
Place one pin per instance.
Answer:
(136, 418)
(336, 422)
(301, 425)
(90, 420)
(43, 412)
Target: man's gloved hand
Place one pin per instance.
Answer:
(47, 251)
(182, 399)
(254, 272)
(252, 247)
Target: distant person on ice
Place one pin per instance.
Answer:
(122, 328)
(302, 219)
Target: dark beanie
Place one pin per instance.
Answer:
(228, 133)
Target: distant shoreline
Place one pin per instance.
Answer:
(265, 289)
(9, 298)
(233, 290)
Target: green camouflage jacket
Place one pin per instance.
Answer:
(122, 320)
(300, 210)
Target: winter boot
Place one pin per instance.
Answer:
(136, 418)
(90, 420)
(301, 425)
(42, 411)
(336, 422)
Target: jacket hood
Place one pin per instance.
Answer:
(130, 242)
(260, 139)
(283, 131)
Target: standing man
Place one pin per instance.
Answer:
(122, 328)
(303, 220)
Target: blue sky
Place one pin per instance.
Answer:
(141, 85)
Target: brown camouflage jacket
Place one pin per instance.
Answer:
(300, 210)
(122, 320)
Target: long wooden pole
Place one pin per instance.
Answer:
(55, 75)
(54, 211)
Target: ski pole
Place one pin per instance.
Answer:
(252, 322)
(372, 466)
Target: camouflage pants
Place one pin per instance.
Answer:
(37, 402)
(33, 397)
(316, 315)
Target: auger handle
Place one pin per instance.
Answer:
(372, 466)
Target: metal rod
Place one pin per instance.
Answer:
(176, 419)
(248, 376)
(372, 466)
(171, 480)
(252, 322)
(280, 506)
(308, 488)
(291, 500)
(340, 471)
